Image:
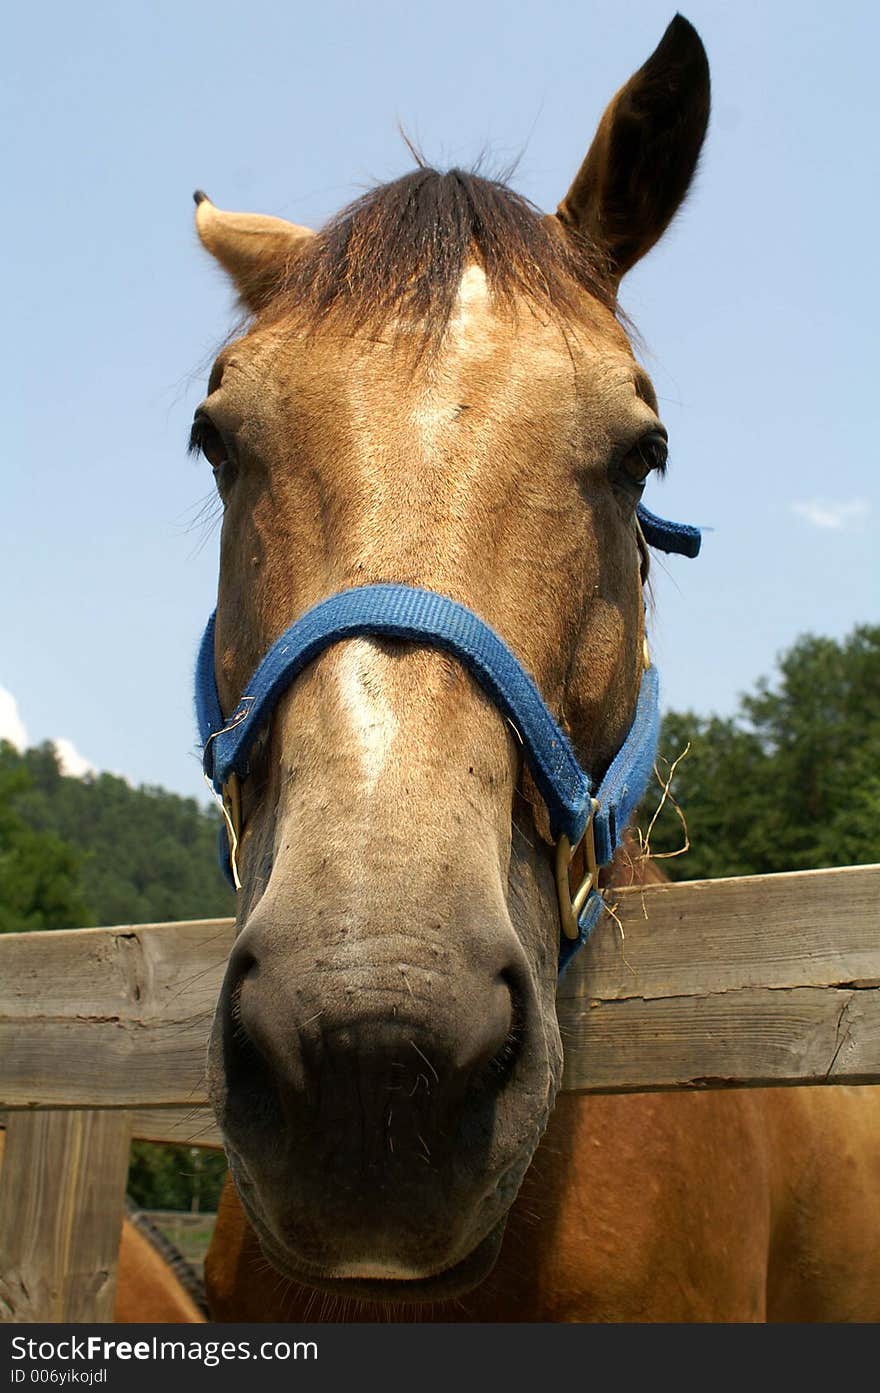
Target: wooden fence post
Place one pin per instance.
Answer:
(62, 1194)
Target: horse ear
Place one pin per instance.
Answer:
(641, 162)
(256, 250)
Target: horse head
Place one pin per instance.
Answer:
(435, 391)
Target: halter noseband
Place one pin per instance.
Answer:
(579, 816)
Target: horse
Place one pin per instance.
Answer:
(155, 1283)
(437, 395)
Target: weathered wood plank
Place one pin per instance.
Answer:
(185, 1126)
(806, 928)
(737, 1038)
(748, 981)
(109, 1017)
(762, 979)
(61, 1204)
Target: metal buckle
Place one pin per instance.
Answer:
(570, 905)
(242, 710)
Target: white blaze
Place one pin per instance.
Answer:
(362, 670)
(362, 673)
(471, 295)
(438, 405)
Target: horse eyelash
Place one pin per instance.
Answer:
(663, 467)
(194, 443)
(659, 469)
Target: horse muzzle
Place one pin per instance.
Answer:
(379, 1105)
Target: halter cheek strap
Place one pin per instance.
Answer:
(678, 537)
(578, 813)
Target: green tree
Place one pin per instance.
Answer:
(793, 780)
(75, 852)
(40, 883)
(175, 1177)
(144, 854)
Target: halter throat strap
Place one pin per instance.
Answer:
(678, 537)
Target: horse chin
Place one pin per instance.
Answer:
(455, 1281)
(365, 1280)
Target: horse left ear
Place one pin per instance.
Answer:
(256, 250)
(641, 162)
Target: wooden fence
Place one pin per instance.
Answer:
(726, 983)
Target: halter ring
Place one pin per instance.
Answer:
(570, 905)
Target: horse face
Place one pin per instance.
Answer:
(385, 1052)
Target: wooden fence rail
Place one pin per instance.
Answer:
(725, 983)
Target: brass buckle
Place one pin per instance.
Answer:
(570, 905)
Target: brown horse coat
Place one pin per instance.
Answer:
(746, 1205)
(147, 1291)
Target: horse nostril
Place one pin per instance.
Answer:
(490, 1048)
(502, 1061)
(241, 1036)
(241, 965)
(250, 1093)
(332, 1062)
(249, 1034)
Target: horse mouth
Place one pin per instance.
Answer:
(448, 1282)
(455, 1281)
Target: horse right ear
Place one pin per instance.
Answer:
(641, 162)
(256, 250)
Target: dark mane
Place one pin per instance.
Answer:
(170, 1254)
(401, 250)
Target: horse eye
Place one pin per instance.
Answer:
(650, 454)
(654, 450)
(205, 439)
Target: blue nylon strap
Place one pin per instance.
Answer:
(679, 537)
(586, 923)
(618, 796)
(626, 779)
(422, 616)
(209, 713)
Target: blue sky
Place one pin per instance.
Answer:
(759, 310)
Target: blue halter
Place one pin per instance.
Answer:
(577, 813)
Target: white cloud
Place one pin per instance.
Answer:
(12, 728)
(829, 513)
(11, 725)
(70, 761)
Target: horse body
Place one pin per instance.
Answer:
(152, 1285)
(436, 391)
